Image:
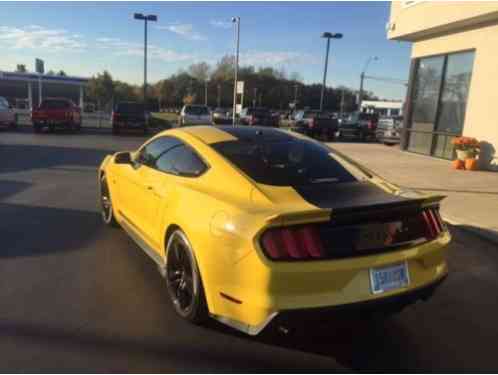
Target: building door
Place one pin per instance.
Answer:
(439, 99)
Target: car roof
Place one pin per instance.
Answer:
(210, 134)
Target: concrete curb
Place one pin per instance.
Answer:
(481, 232)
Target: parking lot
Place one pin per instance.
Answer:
(78, 296)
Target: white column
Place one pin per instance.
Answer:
(30, 95)
(82, 103)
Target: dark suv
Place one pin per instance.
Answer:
(129, 115)
(258, 116)
(360, 126)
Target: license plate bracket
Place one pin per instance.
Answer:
(388, 278)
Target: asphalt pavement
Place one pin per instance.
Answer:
(78, 296)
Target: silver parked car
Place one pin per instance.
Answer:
(7, 116)
(389, 130)
(194, 115)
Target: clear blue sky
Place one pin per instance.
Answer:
(86, 38)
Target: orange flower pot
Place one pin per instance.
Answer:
(471, 164)
(458, 164)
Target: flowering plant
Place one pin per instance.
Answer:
(466, 144)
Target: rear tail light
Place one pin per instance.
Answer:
(252, 120)
(292, 243)
(114, 116)
(371, 125)
(433, 222)
(312, 123)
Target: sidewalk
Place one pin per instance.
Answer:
(472, 197)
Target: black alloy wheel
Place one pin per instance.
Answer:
(106, 204)
(183, 279)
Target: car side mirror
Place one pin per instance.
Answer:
(123, 158)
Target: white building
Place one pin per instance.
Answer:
(383, 108)
(31, 88)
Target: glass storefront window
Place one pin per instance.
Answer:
(455, 91)
(439, 99)
(426, 93)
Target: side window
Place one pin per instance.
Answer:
(181, 160)
(151, 151)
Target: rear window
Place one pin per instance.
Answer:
(285, 162)
(196, 110)
(130, 108)
(55, 104)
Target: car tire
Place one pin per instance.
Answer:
(37, 127)
(72, 127)
(51, 128)
(106, 208)
(183, 279)
(115, 130)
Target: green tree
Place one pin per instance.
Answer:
(100, 89)
(21, 68)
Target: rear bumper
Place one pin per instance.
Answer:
(383, 305)
(129, 125)
(268, 289)
(49, 122)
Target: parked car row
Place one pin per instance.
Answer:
(61, 113)
(8, 117)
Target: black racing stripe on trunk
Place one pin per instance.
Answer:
(349, 196)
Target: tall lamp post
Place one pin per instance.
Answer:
(236, 21)
(362, 78)
(145, 18)
(327, 36)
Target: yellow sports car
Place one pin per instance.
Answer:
(251, 225)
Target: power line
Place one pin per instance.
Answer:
(388, 80)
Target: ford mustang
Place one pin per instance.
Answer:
(249, 225)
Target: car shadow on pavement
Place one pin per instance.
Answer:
(8, 188)
(355, 343)
(34, 230)
(18, 158)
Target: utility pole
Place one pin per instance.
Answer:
(362, 78)
(206, 93)
(328, 36)
(255, 95)
(219, 95)
(236, 20)
(342, 102)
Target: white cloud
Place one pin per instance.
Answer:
(259, 58)
(123, 48)
(184, 30)
(38, 37)
(221, 24)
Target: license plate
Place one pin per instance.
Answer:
(384, 279)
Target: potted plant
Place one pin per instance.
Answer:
(465, 147)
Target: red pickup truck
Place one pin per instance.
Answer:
(56, 113)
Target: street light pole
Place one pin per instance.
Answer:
(206, 93)
(362, 78)
(150, 17)
(328, 36)
(219, 95)
(236, 20)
